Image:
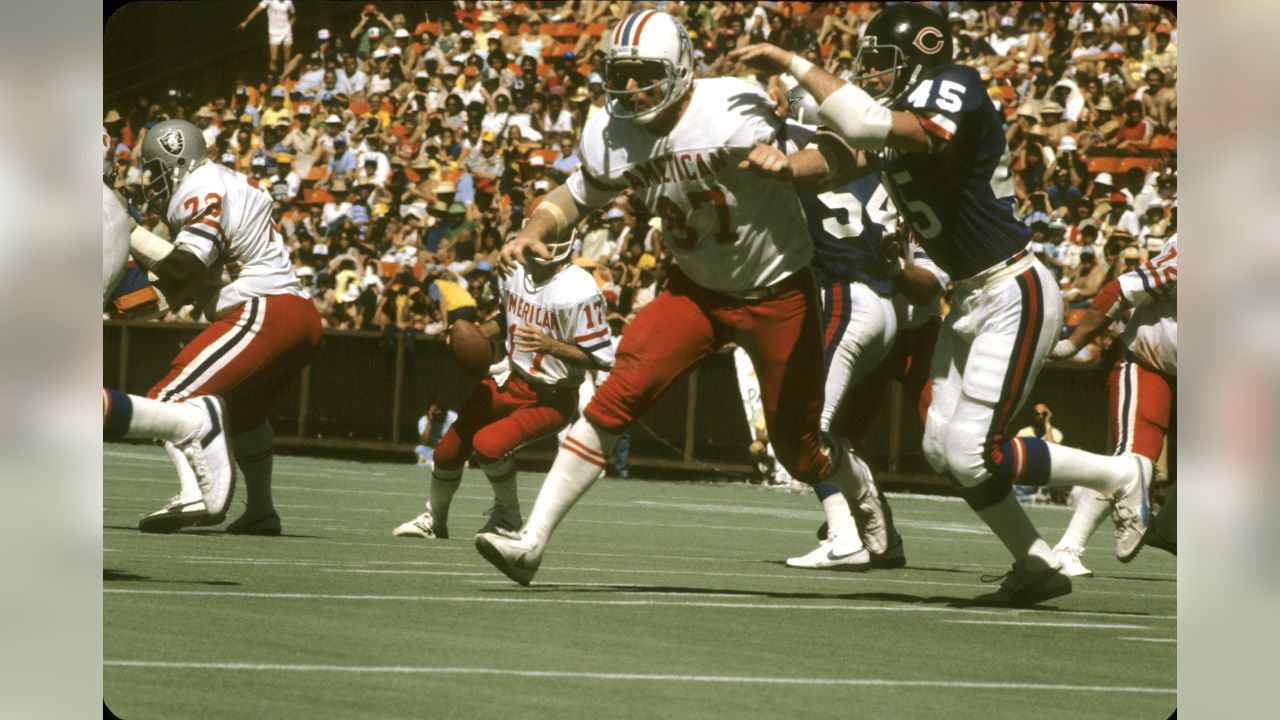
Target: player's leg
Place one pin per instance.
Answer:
(1141, 406)
(250, 358)
(540, 412)
(1013, 325)
(451, 453)
(669, 337)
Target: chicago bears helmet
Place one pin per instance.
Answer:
(903, 39)
(653, 49)
(171, 150)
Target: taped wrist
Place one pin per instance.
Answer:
(148, 249)
(859, 119)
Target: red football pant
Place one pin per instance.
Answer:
(686, 323)
(908, 362)
(250, 357)
(1142, 403)
(496, 420)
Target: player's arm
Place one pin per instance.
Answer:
(531, 339)
(845, 108)
(252, 14)
(557, 214)
(826, 161)
(179, 274)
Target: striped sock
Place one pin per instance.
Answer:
(581, 458)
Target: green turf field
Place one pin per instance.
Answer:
(655, 600)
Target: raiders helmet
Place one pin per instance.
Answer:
(171, 150)
(903, 39)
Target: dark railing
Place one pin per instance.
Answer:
(364, 393)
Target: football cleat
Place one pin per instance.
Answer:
(1021, 586)
(894, 557)
(177, 514)
(834, 553)
(1071, 563)
(512, 553)
(209, 456)
(502, 517)
(268, 525)
(423, 526)
(1131, 510)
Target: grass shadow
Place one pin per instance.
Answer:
(110, 575)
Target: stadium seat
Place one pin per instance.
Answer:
(585, 69)
(568, 31)
(1126, 164)
(596, 29)
(1104, 164)
(558, 50)
(1161, 143)
(524, 28)
(543, 69)
(548, 156)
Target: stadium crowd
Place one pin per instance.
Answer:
(402, 151)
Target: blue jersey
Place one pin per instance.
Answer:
(958, 197)
(848, 225)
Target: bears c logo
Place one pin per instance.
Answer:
(171, 141)
(929, 40)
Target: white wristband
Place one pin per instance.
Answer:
(798, 66)
(148, 249)
(864, 123)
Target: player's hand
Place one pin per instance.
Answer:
(531, 339)
(781, 105)
(514, 252)
(764, 57)
(242, 26)
(1063, 349)
(768, 160)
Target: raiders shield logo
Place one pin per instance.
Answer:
(171, 141)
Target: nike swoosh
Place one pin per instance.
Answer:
(832, 556)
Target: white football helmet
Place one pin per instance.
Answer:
(654, 39)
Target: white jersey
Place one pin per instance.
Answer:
(568, 308)
(729, 230)
(1151, 334)
(223, 216)
(278, 12)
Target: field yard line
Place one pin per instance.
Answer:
(810, 514)
(641, 677)
(1155, 640)
(571, 601)
(1091, 626)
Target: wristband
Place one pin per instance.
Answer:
(557, 213)
(798, 66)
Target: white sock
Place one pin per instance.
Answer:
(175, 422)
(846, 471)
(502, 478)
(190, 491)
(444, 483)
(255, 456)
(581, 458)
(840, 519)
(1091, 508)
(1007, 520)
(1072, 466)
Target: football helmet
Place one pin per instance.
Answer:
(560, 248)
(171, 150)
(903, 39)
(801, 106)
(654, 49)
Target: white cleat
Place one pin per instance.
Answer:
(209, 456)
(1131, 509)
(423, 526)
(178, 514)
(502, 517)
(513, 553)
(1072, 566)
(834, 553)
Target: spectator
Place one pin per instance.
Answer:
(1086, 279)
(280, 19)
(1135, 134)
(455, 301)
(1041, 427)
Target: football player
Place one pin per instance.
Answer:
(264, 328)
(740, 268)
(556, 331)
(939, 146)
(1144, 391)
(193, 432)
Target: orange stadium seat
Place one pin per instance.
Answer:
(1161, 143)
(596, 29)
(543, 69)
(1126, 164)
(1104, 164)
(548, 156)
(568, 31)
(558, 50)
(502, 28)
(524, 28)
(585, 69)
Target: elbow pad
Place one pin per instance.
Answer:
(858, 118)
(148, 249)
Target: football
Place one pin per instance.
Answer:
(471, 347)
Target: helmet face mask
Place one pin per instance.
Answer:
(897, 46)
(879, 68)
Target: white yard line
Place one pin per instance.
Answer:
(635, 677)
(1021, 623)
(1154, 640)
